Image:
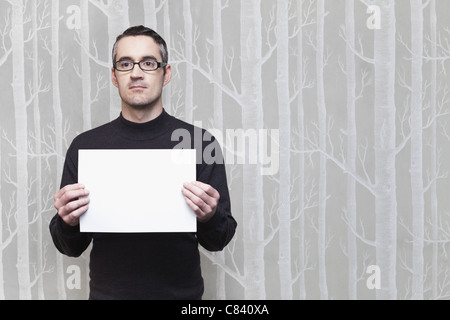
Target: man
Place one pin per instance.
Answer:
(143, 265)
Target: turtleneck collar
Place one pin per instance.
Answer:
(143, 131)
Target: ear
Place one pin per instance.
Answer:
(113, 78)
(167, 75)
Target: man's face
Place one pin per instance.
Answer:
(140, 89)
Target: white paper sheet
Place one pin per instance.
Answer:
(137, 190)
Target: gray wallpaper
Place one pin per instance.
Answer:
(332, 114)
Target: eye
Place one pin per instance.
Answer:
(149, 64)
(125, 64)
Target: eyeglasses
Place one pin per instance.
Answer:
(145, 65)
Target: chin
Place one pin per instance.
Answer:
(139, 108)
(140, 104)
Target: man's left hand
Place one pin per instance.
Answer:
(201, 198)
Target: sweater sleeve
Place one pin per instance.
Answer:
(216, 233)
(67, 239)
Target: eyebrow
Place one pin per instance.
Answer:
(143, 58)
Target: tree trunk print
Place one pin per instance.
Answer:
(7, 234)
(416, 169)
(118, 21)
(252, 118)
(117, 13)
(284, 116)
(322, 121)
(433, 153)
(38, 150)
(150, 14)
(218, 64)
(20, 108)
(218, 119)
(58, 127)
(302, 19)
(351, 148)
(188, 44)
(385, 155)
(85, 65)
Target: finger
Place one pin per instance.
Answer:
(76, 204)
(205, 192)
(192, 205)
(73, 206)
(207, 188)
(69, 196)
(201, 215)
(197, 202)
(73, 219)
(67, 188)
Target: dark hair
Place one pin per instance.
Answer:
(143, 31)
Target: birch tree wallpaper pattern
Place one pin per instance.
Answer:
(332, 114)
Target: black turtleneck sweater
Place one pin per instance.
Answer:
(147, 265)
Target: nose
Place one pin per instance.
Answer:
(136, 72)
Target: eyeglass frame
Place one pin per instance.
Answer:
(158, 65)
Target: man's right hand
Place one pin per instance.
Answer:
(71, 202)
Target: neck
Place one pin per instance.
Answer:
(141, 115)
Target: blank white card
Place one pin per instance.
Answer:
(137, 190)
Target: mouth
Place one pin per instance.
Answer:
(137, 87)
